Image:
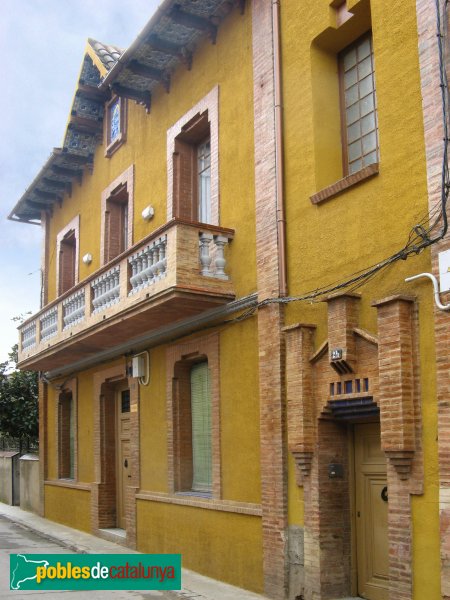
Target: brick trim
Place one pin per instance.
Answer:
(243, 508)
(344, 184)
(70, 387)
(126, 178)
(209, 103)
(271, 342)
(103, 496)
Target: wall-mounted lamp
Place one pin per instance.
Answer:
(87, 259)
(148, 213)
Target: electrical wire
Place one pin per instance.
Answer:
(421, 235)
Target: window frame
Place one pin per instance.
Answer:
(343, 109)
(123, 184)
(67, 448)
(179, 131)
(113, 144)
(180, 360)
(72, 228)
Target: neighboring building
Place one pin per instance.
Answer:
(234, 367)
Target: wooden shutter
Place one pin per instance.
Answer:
(201, 428)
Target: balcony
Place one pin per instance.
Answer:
(177, 272)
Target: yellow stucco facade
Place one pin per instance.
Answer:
(281, 513)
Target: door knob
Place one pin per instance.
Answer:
(125, 463)
(384, 494)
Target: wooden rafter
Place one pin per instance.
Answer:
(139, 68)
(85, 124)
(132, 94)
(91, 93)
(50, 196)
(185, 19)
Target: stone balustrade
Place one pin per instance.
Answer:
(148, 265)
(73, 309)
(49, 324)
(178, 257)
(212, 255)
(106, 290)
(29, 335)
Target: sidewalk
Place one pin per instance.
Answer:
(195, 586)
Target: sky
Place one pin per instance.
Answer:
(42, 44)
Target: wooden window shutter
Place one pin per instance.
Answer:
(184, 181)
(201, 428)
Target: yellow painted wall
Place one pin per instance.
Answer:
(369, 222)
(68, 506)
(227, 64)
(222, 545)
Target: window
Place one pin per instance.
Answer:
(204, 181)
(194, 417)
(116, 117)
(117, 216)
(67, 259)
(193, 163)
(116, 223)
(201, 428)
(192, 170)
(359, 107)
(67, 435)
(67, 256)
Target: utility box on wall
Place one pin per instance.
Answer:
(9, 477)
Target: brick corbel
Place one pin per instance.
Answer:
(299, 392)
(396, 381)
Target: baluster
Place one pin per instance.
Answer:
(162, 257)
(154, 267)
(133, 264)
(205, 258)
(220, 262)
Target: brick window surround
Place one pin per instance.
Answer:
(115, 118)
(67, 251)
(180, 358)
(67, 428)
(190, 130)
(117, 202)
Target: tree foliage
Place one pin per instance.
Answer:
(18, 400)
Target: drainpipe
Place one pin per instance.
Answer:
(279, 166)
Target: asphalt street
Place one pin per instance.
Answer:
(15, 539)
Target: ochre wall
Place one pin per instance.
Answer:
(221, 545)
(329, 242)
(227, 64)
(68, 506)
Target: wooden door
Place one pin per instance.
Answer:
(371, 505)
(123, 466)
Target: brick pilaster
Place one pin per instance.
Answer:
(270, 318)
(299, 395)
(342, 319)
(396, 381)
(433, 130)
